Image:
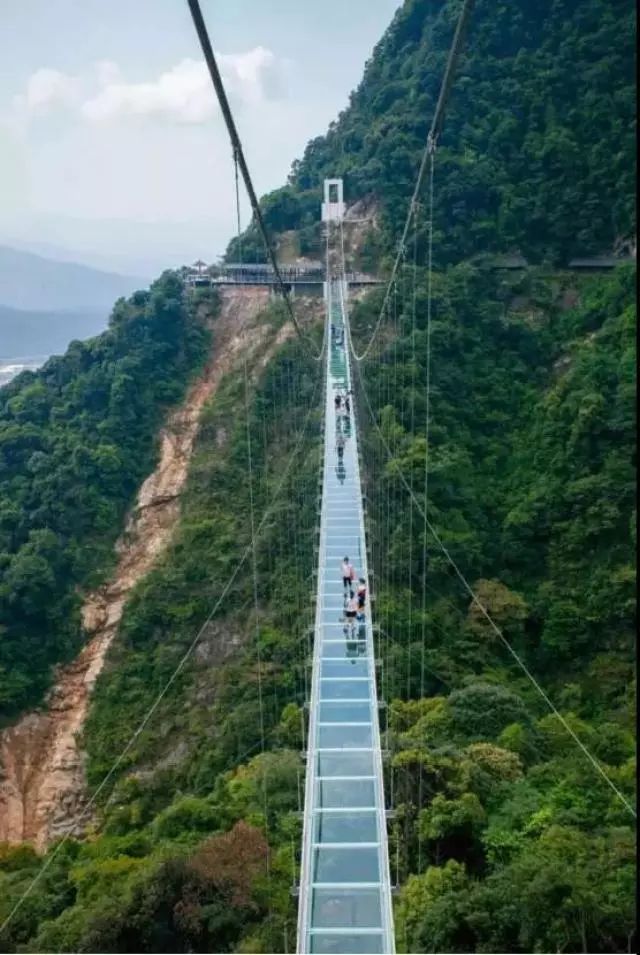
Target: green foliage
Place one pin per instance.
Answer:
(531, 488)
(77, 438)
(483, 710)
(169, 870)
(580, 885)
(538, 147)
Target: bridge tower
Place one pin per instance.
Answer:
(333, 205)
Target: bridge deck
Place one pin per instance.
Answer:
(345, 894)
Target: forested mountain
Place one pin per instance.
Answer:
(538, 148)
(532, 491)
(505, 837)
(77, 438)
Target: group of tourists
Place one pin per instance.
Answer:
(355, 596)
(355, 588)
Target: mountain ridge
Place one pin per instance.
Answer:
(33, 282)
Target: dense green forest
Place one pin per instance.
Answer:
(532, 488)
(504, 837)
(538, 148)
(181, 861)
(77, 438)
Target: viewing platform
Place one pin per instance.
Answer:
(302, 278)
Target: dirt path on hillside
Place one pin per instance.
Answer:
(42, 781)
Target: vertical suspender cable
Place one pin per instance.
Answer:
(254, 571)
(426, 471)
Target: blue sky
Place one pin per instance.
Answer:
(111, 145)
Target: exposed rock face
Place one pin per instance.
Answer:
(42, 783)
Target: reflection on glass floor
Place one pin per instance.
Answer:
(345, 897)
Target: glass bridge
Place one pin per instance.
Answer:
(345, 891)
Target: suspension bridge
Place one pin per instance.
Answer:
(344, 884)
(345, 887)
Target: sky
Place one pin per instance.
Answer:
(112, 148)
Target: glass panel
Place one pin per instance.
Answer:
(346, 944)
(332, 613)
(351, 864)
(346, 827)
(347, 668)
(345, 764)
(336, 793)
(344, 737)
(343, 690)
(331, 589)
(333, 712)
(346, 908)
(349, 649)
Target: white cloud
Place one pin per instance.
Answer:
(254, 76)
(185, 94)
(182, 93)
(48, 88)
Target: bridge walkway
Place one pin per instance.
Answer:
(345, 892)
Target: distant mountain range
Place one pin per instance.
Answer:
(45, 304)
(128, 247)
(35, 283)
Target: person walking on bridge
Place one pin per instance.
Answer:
(351, 612)
(362, 593)
(348, 574)
(340, 443)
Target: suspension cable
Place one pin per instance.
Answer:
(427, 455)
(429, 149)
(216, 79)
(238, 224)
